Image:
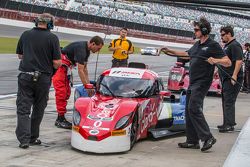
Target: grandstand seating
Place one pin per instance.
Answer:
(18, 15)
(151, 14)
(238, 0)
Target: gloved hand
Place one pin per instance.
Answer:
(91, 92)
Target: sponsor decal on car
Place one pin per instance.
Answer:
(118, 132)
(153, 73)
(147, 120)
(94, 132)
(99, 118)
(103, 115)
(126, 72)
(179, 118)
(95, 127)
(142, 108)
(173, 71)
(75, 128)
(166, 112)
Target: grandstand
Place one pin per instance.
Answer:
(247, 1)
(154, 14)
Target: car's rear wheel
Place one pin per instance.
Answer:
(134, 131)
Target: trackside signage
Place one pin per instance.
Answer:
(126, 72)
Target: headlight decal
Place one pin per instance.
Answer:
(123, 122)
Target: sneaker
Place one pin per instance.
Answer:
(35, 142)
(189, 145)
(61, 122)
(242, 90)
(24, 145)
(220, 126)
(208, 144)
(226, 129)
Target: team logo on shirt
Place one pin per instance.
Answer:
(204, 48)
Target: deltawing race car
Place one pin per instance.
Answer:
(179, 79)
(128, 105)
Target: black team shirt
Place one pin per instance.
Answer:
(234, 51)
(77, 52)
(201, 72)
(39, 48)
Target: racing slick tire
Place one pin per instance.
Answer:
(134, 131)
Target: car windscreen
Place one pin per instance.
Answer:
(125, 87)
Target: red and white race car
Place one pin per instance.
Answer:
(179, 79)
(128, 104)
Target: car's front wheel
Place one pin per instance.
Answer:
(134, 131)
(76, 95)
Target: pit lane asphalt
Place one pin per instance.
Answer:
(56, 150)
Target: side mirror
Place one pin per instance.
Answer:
(89, 86)
(165, 93)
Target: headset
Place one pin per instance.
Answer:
(204, 30)
(48, 20)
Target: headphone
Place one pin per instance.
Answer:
(49, 21)
(204, 30)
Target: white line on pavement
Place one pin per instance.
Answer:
(7, 96)
(14, 94)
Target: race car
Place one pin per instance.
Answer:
(179, 79)
(128, 106)
(150, 51)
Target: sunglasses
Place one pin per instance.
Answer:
(222, 35)
(196, 29)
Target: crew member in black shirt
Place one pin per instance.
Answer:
(246, 82)
(230, 88)
(74, 54)
(203, 54)
(39, 52)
